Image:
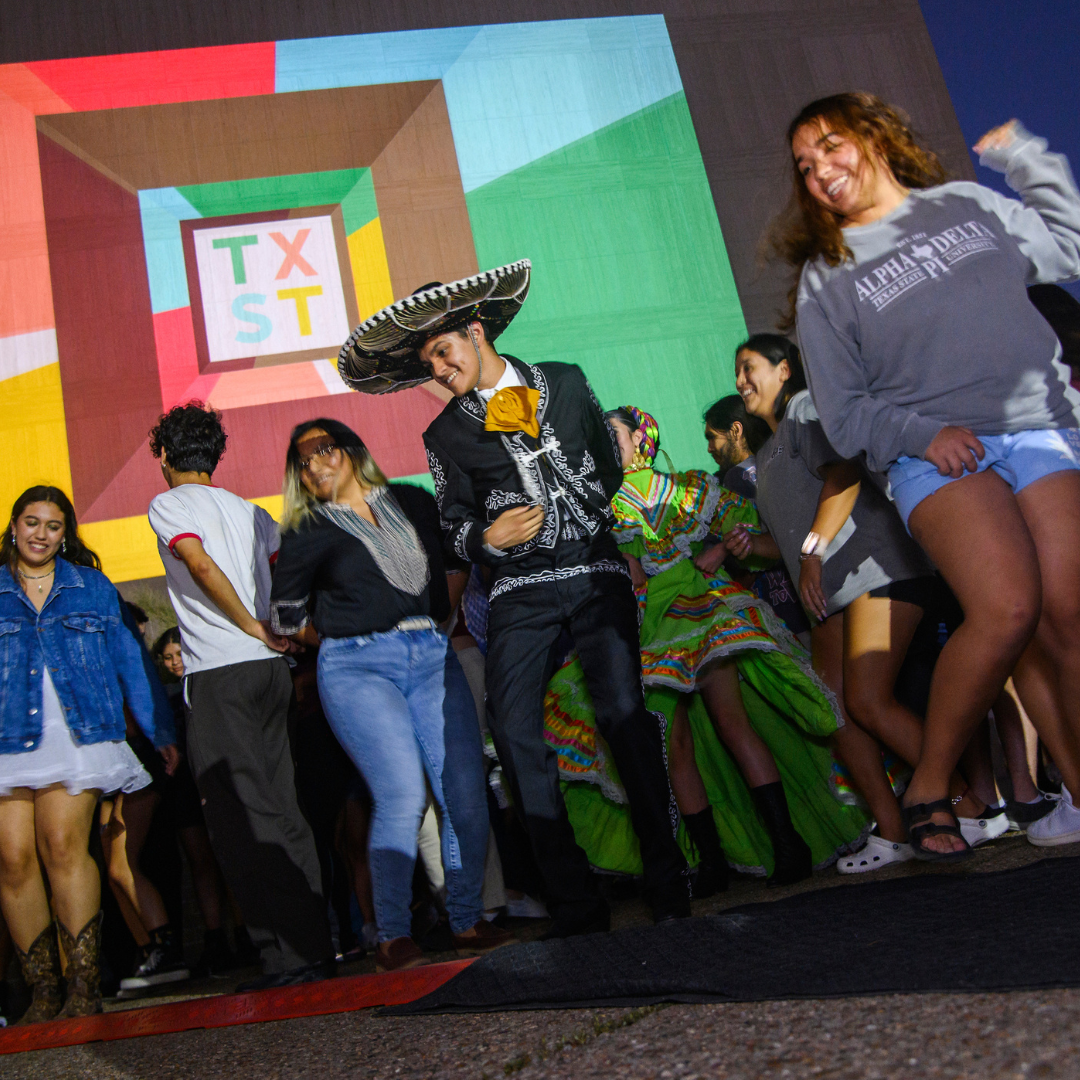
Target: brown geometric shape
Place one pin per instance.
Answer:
(94, 163)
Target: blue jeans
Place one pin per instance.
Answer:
(399, 705)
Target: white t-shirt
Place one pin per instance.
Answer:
(243, 540)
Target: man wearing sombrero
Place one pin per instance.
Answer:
(525, 467)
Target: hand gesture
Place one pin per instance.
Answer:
(638, 576)
(514, 526)
(998, 138)
(954, 449)
(813, 595)
(171, 756)
(708, 560)
(270, 639)
(740, 542)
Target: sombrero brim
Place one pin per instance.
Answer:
(381, 353)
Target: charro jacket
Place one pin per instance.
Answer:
(94, 660)
(572, 470)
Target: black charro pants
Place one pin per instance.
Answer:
(238, 746)
(524, 626)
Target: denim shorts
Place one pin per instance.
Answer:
(1019, 459)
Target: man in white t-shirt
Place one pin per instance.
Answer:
(217, 550)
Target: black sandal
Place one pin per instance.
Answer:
(917, 833)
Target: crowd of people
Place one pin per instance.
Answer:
(572, 659)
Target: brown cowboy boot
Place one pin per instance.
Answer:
(41, 970)
(83, 974)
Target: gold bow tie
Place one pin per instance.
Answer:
(514, 409)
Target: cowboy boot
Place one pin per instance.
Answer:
(83, 974)
(41, 970)
(791, 853)
(712, 872)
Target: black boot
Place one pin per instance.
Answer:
(712, 871)
(791, 853)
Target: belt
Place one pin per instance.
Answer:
(417, 622)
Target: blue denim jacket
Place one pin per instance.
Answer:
(95, 662)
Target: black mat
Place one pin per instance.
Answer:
(1010, 930)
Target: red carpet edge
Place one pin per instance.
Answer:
(310, 999)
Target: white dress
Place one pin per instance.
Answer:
(105, 766)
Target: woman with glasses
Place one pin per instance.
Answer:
(360, 575)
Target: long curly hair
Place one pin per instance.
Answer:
(72, 549)
(805, 229)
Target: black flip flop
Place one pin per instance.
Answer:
(917, 833)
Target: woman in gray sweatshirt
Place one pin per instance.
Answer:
(923, 353)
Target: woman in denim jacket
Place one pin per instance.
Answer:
(68, 663)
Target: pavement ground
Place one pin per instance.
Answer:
(1019, 1035)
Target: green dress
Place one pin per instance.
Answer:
(687, 622)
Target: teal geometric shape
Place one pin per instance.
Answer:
(162, 210)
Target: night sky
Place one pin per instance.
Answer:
(1004, 58)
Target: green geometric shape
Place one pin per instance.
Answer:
(273, 192)
(631, 279)
(359, 207)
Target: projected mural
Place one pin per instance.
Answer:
(211, 223)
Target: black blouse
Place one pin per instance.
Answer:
(321, 562)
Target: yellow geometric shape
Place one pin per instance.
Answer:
(33, 436)
(371, 274)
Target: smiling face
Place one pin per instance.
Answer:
(452, 360)
(838, 174)
(759, 383)
(172, 659)
(39, 532)
(325, 468)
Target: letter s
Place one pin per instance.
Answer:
(239, 309)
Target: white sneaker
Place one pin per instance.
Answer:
(982, 830)
(1060, 826)
(877, 853)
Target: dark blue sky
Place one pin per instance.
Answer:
(1005, 58)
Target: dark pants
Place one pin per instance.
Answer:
(524, 626)
(238, 745)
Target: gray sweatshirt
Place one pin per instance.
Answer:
(931, 325)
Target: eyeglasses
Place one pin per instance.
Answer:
(324, 450)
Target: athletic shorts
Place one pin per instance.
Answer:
(1019, 459)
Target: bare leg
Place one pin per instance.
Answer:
(23, 899)
(978, 765)
(205, 874)
(855, 748)
(686, 782)
(1051, 508)
(131, 821)
(967, 527)
(116, 864)
(62, 823)
(1010, 729)
(719, 689)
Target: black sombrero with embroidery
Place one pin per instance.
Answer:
(381, 353)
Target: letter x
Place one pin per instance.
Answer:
(292, 255)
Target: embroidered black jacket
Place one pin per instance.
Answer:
(573, 470)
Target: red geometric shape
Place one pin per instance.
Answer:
(178, 363)
(152, 78)
(308, 999)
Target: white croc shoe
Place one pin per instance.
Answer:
(982, 830)
(1060, 826)
(877, 853)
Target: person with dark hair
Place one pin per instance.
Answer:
(217, 551)
(69, 662)
(366, 556)
(733, 436)
(860, 576)
(742, 702)
(924, 353)
(525, 467)
(142, 620)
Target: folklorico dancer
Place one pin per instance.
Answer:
(525, 467)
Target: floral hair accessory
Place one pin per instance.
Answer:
(513, 408)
